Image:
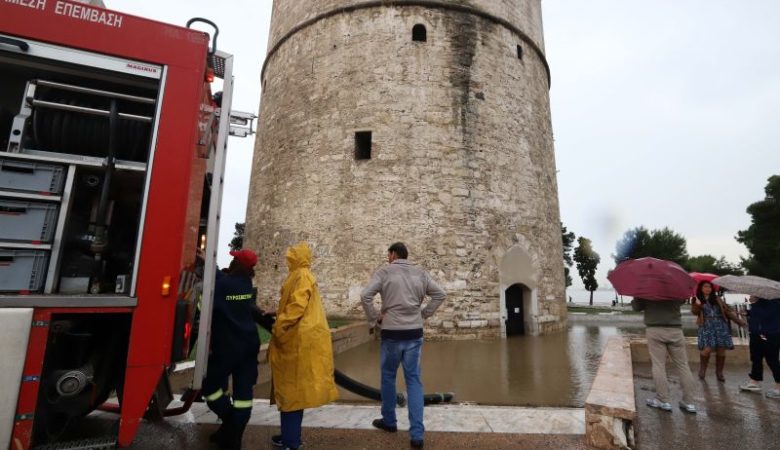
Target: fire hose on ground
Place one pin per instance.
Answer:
(342, 380)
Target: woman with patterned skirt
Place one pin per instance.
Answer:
(714, 328)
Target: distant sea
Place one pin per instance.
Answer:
(606, 296)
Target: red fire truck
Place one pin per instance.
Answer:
(111, 165)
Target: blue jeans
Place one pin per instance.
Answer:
(407, 353)
(291, 428)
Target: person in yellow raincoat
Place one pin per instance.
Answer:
(300, 352)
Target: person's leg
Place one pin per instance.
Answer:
(704, 360)
(756, 375)
(244, 378)
(291, 427)
(756, 358)
(657, 348)
(772, 355)
(414, 388)
(720, 363)
(679, 356)
(390, 356)
(217, 398)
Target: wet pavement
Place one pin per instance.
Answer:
(728, 419)
(195, 437)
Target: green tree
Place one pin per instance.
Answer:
(663, 244)
(723, 267)
(587, 262)
(710, 264)
(237, 243)
(568, 238)
(762, 238)
(633, 244)
(701, 263)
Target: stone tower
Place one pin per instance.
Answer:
(426, 122)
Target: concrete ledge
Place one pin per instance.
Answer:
(740, 354)
(610, 409)
(350, 336)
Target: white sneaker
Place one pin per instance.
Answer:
(655, 403)
(773, 393)
(750, 387)
(688, 407)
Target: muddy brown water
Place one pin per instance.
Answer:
(554, 370)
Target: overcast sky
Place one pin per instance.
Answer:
(665, 113)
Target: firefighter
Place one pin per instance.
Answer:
(234, 348)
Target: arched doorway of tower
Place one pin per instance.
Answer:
(515, 310)
(518, 283)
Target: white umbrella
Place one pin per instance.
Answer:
(750, 285)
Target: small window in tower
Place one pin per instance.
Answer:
(519, 52)
(419, 34)
(362, 145)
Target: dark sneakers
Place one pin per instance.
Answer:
(276, 441)
(218, 436)
(379, 423)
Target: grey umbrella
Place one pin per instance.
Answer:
(750, 284)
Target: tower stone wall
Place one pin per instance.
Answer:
(462, 166)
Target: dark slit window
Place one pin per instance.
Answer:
(362, 145)
(419, 33)
(519, 52)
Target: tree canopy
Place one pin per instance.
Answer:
(663, 244)
(762, 238)
(237, 243)
(587, 262)
(568, 238)
(710, 264)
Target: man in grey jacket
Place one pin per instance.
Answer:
(663, 323)
(402, 286)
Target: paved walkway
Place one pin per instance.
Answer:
(728, 419)
(445, 418)
(348, 427)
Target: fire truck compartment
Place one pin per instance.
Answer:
(27, 221)
(22, 270)
(76, 132)
(57, 106)
(37, 177)
(85, 358)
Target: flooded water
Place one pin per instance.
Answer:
(555, 370)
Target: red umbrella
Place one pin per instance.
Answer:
(701, 276)
(652, 279)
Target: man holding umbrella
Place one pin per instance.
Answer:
(659, 289)
(764, 327)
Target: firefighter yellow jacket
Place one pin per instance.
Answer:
(300, 352)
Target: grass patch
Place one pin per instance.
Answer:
(588, 310)
(336, 323)
(593, 310)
